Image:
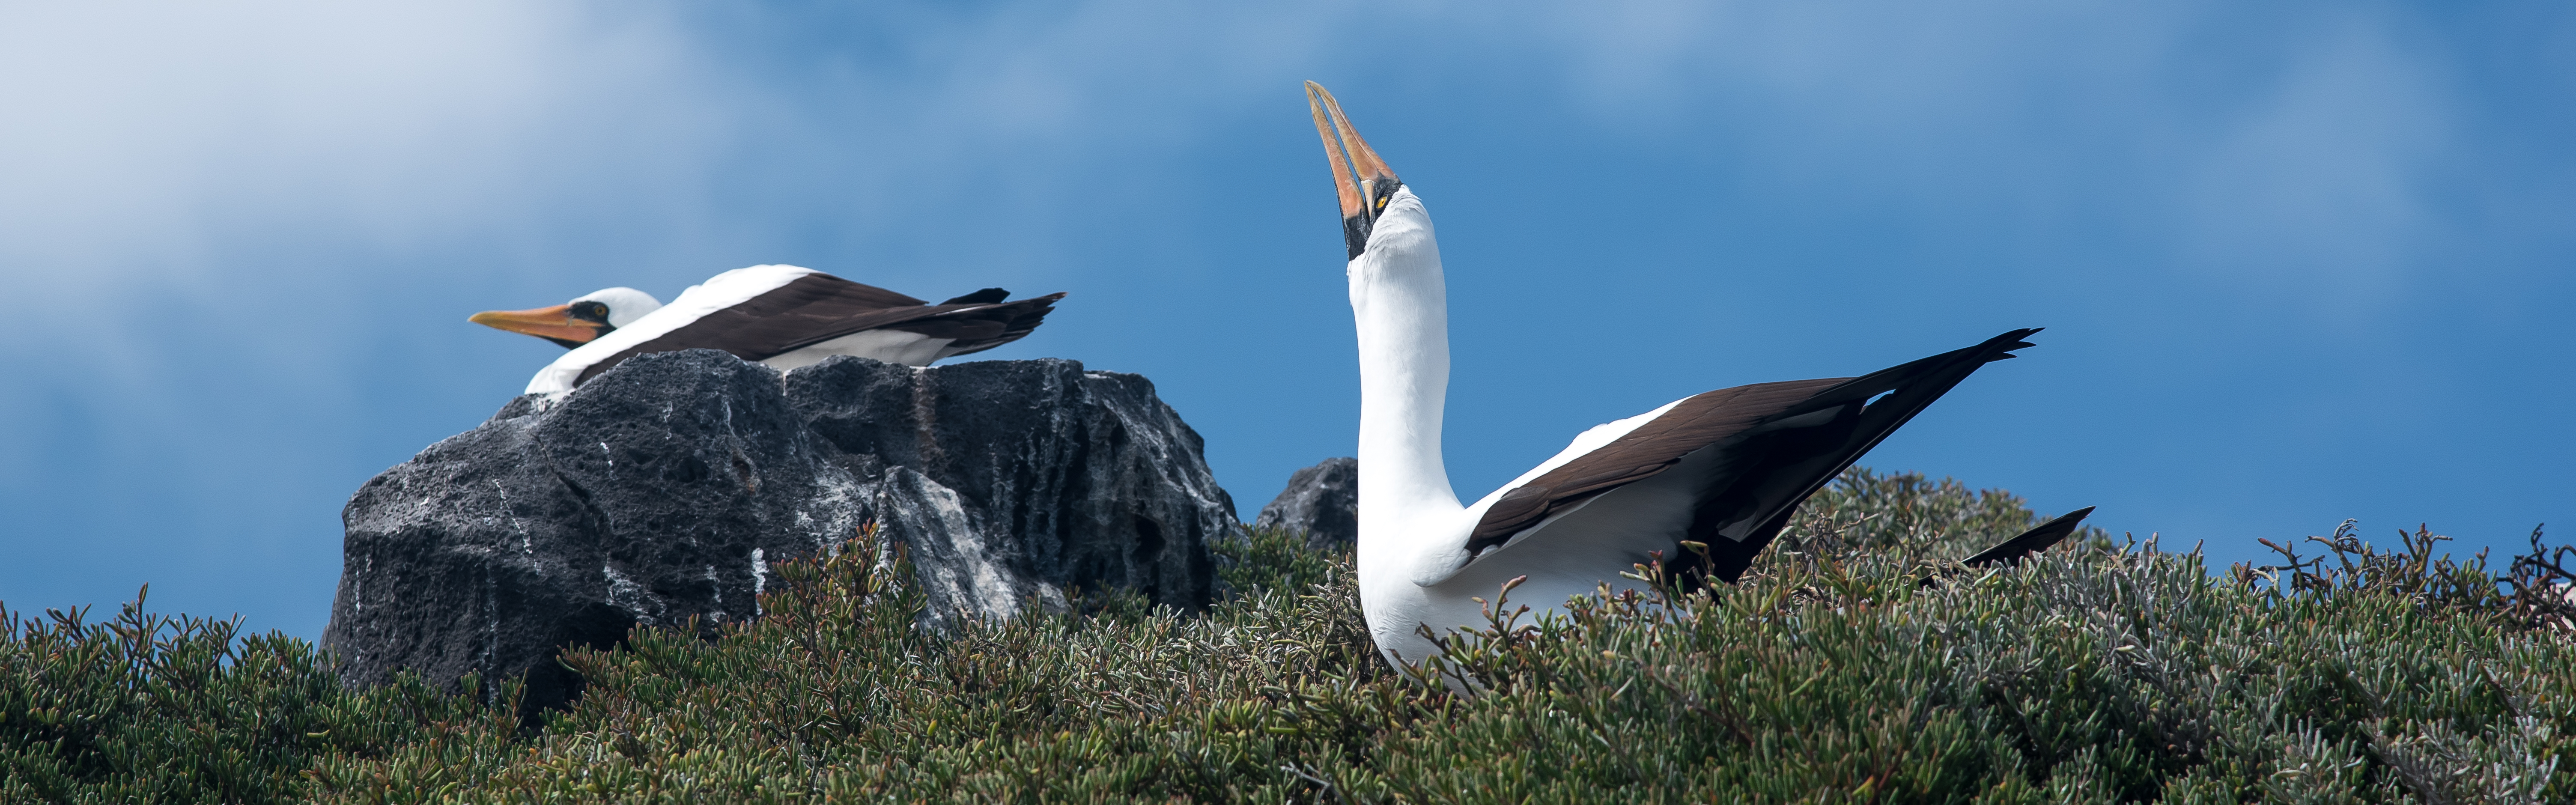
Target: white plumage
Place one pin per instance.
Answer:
(724, 291)
(781, 315)
(1414, 567)
(1702, 483)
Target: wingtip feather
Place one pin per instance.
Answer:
(2038, 538)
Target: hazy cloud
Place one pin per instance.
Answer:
(2315, 175)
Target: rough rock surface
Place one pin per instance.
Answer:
(662, 490)
(1086, 477)
(1322, 502)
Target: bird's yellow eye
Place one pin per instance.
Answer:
(1381, 202)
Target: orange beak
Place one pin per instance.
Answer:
(554, 324)
(1361, 180)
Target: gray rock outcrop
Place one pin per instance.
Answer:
(662, 490)
(1086, 477)
(1321, 502)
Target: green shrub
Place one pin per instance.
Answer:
(145, 708)
(1833, 673)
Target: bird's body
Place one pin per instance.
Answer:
(1701, 484)
(784, 316)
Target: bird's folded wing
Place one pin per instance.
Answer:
(820, 307)
(1778, 443)
(975, 328)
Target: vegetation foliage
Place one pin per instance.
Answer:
(1857, 663)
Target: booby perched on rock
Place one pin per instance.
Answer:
(1724, 469)
(784, 316)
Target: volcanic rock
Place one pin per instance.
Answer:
(1321, 502)
(1085, 477)
(660, 492)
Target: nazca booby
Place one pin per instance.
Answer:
(1726, 468)
(784, 316)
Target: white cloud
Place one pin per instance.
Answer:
(138, 137)
(295, 158)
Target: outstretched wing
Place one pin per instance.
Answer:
(1770, 445)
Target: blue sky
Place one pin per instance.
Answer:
(2298, 262)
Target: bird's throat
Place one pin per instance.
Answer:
(1400, 305)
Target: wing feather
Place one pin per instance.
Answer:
(1777, 444)
(820, 307)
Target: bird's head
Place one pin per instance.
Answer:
(577, 322)
(1363, 181)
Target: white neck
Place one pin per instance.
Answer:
(1402, 309)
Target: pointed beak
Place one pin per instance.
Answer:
(1362, 180)
(554, 324)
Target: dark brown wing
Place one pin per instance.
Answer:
(1778, 443)
(1697, 422)
(820, 307)
(2039, 538)
(977, 328)
(982, 297)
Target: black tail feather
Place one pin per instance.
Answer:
(2029, 542)
(983, 297)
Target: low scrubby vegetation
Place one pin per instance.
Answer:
(1856, 663)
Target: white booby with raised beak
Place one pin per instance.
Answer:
(784, 316)
(1723, 470)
